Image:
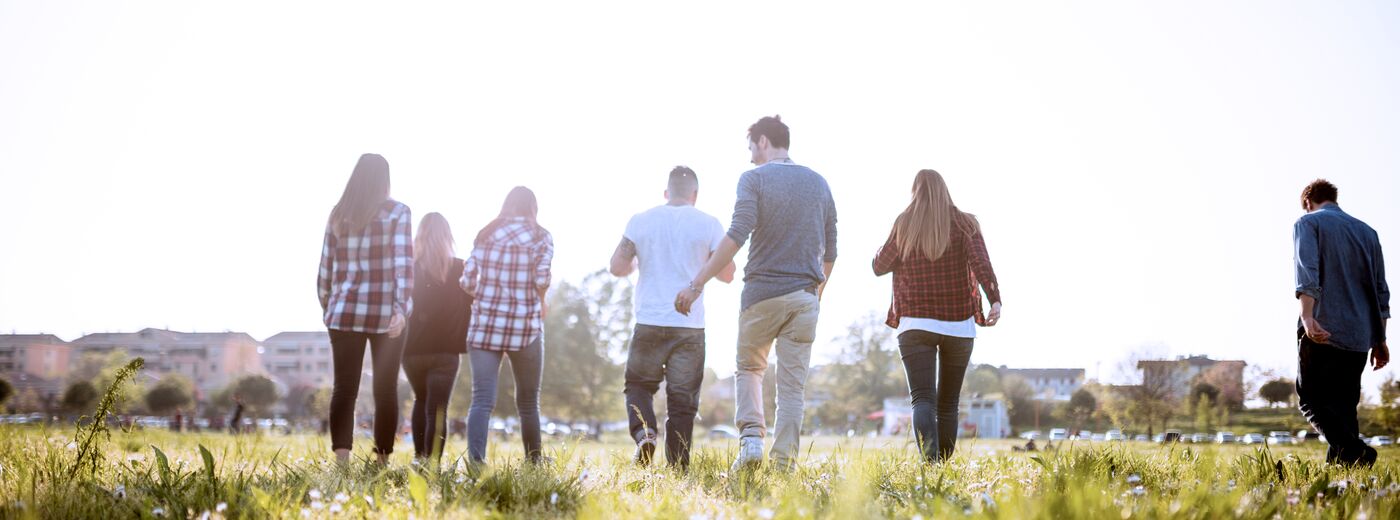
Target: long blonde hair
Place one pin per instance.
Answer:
(434, 247)
(926, 227)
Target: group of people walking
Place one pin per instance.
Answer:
(377, 281)
(419, 307)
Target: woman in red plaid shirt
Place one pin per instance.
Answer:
(365, 286)
(938, 258)
(508, 273)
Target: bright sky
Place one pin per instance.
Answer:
(1136, 168)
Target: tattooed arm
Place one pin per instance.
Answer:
(624, 259)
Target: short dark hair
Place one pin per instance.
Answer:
(683, 182)
(1318, 192)
(773, 128)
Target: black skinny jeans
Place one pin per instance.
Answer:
(348, 354)
(934, 365)
(432, 377)
(1329, 388)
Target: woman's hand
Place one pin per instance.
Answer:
(994, 315)
(396, 324)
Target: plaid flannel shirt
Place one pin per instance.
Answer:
(505, 272)
(367, 277)
(944, 289)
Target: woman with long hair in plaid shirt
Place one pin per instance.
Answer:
(938, 258)
(508, 274)
(365, 286)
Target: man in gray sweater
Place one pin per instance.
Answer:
(789, 212)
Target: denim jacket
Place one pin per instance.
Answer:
(1337, 260)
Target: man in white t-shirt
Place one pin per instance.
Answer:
(668, 245)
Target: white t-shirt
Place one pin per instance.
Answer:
(673, 243)
(959, 329)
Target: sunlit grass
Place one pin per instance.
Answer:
(161, 474)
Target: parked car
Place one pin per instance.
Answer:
(1033, 435)
(1141, 437)
(1171, 436)
(1252, 438)
(1114, 435)
(1083, 435)
(1304, 435)
(557, 429)
(1200, 438)
(1224, 437)
(1058, 434)
(1381, 440)
(1281, 438)
(724, 432)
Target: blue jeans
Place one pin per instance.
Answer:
(676, 355)
(527, 364)
(935, 365)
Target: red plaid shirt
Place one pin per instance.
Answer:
(367, 277)
(505, 272)
(944, 289)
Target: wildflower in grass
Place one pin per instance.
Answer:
(158, 511)
(342, 498)
(553, 498)
(1294, 496)
(305, 513)
(336, 508)
(317, 505)
(1138, 491)
(369, 500)
(315, 494)
(205, 515)
(765, 514)
(221, 507)
(72, 446)
(119, 491)
(1134, 478)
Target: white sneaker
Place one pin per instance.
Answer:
(750, 453)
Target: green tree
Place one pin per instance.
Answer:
(6, 391)
(1020, 401)
(1082, 405)
(586, 331)
(1387, 415)
(101, 370)
(982, 380)
(1277, 391)
(257, 391)
(173, 393)
(866, 372)
(79, 397)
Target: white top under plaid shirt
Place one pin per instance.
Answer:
(505, 271)
(367, 277)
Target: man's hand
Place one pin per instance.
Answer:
(685, 299)
(396, 325)
(1315, 332)
(994, 315)
(1380, 356)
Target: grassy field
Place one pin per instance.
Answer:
(159, 474)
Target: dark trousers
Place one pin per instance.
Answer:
(934, 365)
(1329, 388)
(677, 356)
(527, 365)
(348, 354)
(432, 377)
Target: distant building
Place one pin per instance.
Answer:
(300, 358)
(210, 360)
(36, 362)
(977, 418)
(1183, 373)
(1048, 384)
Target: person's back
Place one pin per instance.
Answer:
(672, 243)
(1339, 275)
(789, 210)
(1347, 275)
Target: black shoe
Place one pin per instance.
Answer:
(1368, 458)
(645, 449)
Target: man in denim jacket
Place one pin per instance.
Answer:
(1345, 300)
